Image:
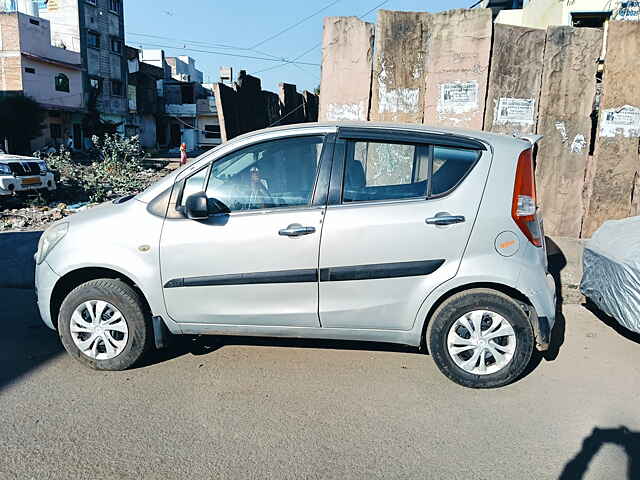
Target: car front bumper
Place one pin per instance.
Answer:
(46, 279)
(10, 184)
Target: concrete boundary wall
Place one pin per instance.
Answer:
(613, 177)
(245, 107)
(515, 80)
(397, 92)
(566, 104)
(522, 80)
(457, 68)
(347, 52)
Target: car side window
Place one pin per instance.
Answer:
(384, 171)
(272, 174)
(194, 184)
(450, 165)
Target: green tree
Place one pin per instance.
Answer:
(20, 122)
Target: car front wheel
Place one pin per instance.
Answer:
(480, 338)
(103, 324)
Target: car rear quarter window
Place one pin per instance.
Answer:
(450, 166)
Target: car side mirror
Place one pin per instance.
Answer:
(215, 206)
(196, 206)
(199, 207)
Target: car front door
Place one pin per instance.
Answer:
(256, 265)
(396, 226)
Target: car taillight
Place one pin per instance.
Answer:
(524, 207)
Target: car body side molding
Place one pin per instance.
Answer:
(380, 270)
(333, 274)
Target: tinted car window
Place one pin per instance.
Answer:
(278, 173)
(450, 165)
(384, 171)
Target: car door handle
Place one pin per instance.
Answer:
(296, 230)
(445, 219)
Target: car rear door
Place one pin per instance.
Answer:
(401, 210)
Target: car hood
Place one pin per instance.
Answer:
(100, 212)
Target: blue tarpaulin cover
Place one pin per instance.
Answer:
(611, 271)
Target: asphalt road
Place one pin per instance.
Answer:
(259, 408)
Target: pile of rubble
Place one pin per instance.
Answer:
(36, 218)
(35, 213)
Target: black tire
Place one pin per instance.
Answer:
(480, 299)
(125, 299)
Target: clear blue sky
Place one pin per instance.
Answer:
(219, 25)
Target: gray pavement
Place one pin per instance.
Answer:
(260, 408)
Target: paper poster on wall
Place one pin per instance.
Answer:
(624, 121)
(50, 5)
(515, 110)
(458, 97)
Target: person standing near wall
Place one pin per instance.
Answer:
(183, 154)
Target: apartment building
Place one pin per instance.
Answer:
(30, 65)
(95, 29)
(191, 115)
(146, 105)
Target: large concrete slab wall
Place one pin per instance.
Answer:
(347, 60)
(615, 170)
(252, 113)
(398, 88)
(457, 68)
(566, 104)
(515, 80)
(310, 106)
(443, 70)
(246, 107)
(227, 108)
(292, 104)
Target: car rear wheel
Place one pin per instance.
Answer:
(480, 338)
(103, 324)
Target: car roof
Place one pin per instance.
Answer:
(493, 139)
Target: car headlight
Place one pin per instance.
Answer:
(50, 239)
(4, 169)
(43, 168)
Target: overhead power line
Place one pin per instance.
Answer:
(317, 45)
(266, 59)
(299, 22)
(202, 44)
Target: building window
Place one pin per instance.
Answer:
(589, 19)
(42, 4)
(93, 2)
(95, 84)
(29, 70)
(93, 39)
(116, 45)
(56, 130)
(114, 6)
(212, 131)
(62, 83)
(116, 88)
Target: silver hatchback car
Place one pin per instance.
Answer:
(375, 232)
